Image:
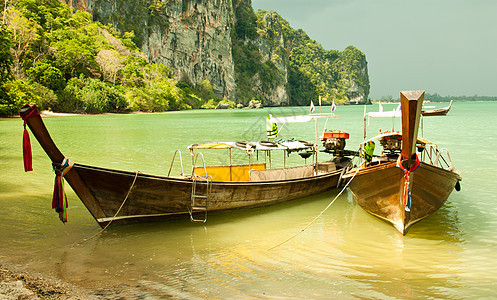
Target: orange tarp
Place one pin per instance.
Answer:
(229, 173)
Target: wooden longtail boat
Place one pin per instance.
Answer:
(122, 196)
(407, 183)
(437, 112)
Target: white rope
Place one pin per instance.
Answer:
(115, 215)
(318, 216)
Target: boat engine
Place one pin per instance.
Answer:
(334, 142)
(391, 145)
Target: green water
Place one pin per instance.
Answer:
(345, 254)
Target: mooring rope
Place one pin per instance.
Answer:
(318, 216)
(101, 230)
(115, 215)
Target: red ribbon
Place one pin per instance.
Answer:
(26, 143)
(59, 199)
(407, 174)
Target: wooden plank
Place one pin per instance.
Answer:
(410, 103)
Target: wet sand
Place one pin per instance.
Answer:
(17, 283)
(20, 284)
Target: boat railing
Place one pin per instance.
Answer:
(180, 161)
(450, 165)
(429, 154)
(433, 156)
(194, 164)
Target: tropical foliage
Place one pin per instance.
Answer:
(64, 61)
(311, 70)
(438, 98)
(250, 67)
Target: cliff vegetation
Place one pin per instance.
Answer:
(63, 61)
(117, 56)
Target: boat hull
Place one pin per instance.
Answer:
(438, 112)
(153, 197)
(120, 196)
(379, 190)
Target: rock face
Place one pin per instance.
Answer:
(191, 37)
(77, 4)
(356, 93)
(196, 40)
(254, 104)
(271, 48)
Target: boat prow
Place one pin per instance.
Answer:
(437, 112)
(407, 183)
(120, 196)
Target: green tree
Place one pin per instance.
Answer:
(205, 91)
(6, 58)
(245, 27)
(25, 34)
(5, 71)
(47, 75)
(19, 92)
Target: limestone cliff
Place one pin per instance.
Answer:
(243, 55)
(262, 70)
(193, 38)
(358, 90)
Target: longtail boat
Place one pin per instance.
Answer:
(437, 112)
(411, 179)
(123, 196)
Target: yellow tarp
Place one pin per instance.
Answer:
(212, 146)
(227, 173)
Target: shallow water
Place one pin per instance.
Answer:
(346, 253)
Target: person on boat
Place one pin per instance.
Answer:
(271, 128)
(368, 151)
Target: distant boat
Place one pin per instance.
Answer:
(437, 112)
(121, 196)
(407, 182)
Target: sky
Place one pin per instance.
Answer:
(447, 47)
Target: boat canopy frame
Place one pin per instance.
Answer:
(251, 147)
(429, 151)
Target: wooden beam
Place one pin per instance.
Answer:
(411, 103)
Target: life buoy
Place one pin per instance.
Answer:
(307, 144)
(268, 143)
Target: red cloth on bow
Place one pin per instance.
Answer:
(26, 143)
(407, 173)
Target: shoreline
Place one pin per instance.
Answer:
(18, 282)
(22, 284)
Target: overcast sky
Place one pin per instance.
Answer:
(447, 47)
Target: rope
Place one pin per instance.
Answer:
(318, 216)
(26, 143)
(115, 215)
(102, 230)
(407, 174)
(59, 199)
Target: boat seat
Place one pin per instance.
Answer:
(282, 174)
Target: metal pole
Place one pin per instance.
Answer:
(365, 122)
(284, 159)
(269, 152)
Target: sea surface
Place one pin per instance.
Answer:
(345, 254)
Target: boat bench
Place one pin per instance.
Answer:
(282, 174)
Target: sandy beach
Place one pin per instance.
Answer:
(17, 282)
(21, 284)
